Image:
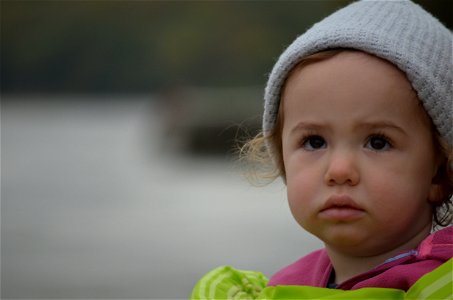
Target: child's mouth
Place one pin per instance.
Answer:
(341, 208)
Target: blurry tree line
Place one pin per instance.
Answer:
(144, 46)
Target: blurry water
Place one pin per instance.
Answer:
(93, 206)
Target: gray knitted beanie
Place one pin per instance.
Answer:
(398, 31)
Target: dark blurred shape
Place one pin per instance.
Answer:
(210, 121)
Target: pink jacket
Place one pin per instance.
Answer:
(399, 272)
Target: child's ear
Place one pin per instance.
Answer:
(436, 192)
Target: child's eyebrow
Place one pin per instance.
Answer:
(368, 125)
(381, 125)
(310, 126)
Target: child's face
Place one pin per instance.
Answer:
(358, 155)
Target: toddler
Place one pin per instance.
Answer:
(358, 122)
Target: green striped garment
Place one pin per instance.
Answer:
(228, 283)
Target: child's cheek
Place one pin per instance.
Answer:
(301, 190)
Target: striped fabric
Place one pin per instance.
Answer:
(437, 284)
(228, 283)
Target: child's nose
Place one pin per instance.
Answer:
(342, 169)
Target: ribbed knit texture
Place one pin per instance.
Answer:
(398, 31)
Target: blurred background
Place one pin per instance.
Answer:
(118, 125)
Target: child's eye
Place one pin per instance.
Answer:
(313, 142)
(378, 143)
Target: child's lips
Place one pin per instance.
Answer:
(341, 208)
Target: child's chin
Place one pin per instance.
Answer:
(348, 241)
